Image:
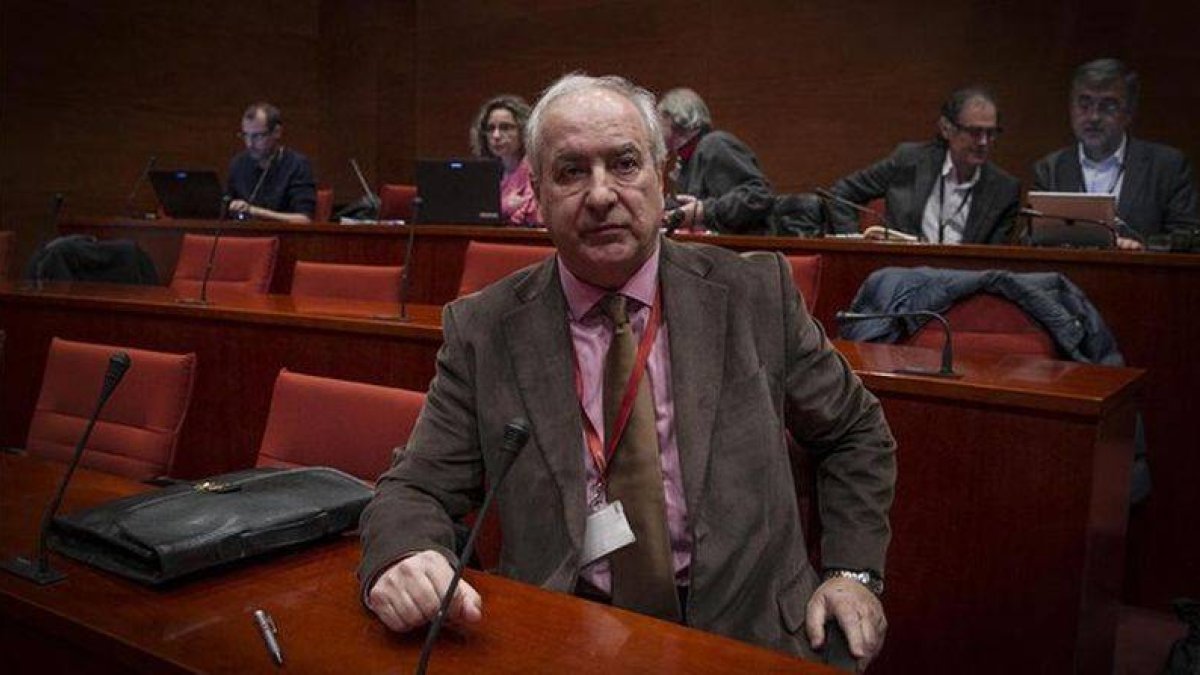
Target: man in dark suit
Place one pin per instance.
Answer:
(268, 181)
(945, 191)
(731, 362)
(718, 184)
(1155, 189)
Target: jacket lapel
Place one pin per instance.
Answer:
(981, 204)
(695, 311)
(1133, 181)
(539, 345)
(1070, 173)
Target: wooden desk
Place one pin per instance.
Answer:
(1149, 300)
(98, 623)
(240, 342)
(1011, 507)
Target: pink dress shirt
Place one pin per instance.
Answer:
(518, 206)
(591, 334)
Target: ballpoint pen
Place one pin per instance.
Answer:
(266, 626)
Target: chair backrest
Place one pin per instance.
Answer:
(7, 241)
(241, 264)
(806, 274)
(138, 429)
(988, 324)
(485, 263)
(324, 209)
(878, 208)
(396, 202)
(351, 426)
(351, 282)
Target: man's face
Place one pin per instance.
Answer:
(259, 141)
(970, 137)
(599, 192)
(1099, 117)
(674, 138)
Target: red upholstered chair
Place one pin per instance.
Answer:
(485, 263)
(242, 264)
(396, 202)
(324, 205)
(351, 426)
(806, 274)
(7, 241)
(138, 430)
(351, 282)
(989, 325)
(879, 208)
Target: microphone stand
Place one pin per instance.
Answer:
(137, 184)
(38, 569)
(372, 198)
(404, 272)
(830, 196)
(516, 434)
(947, 367)
(212, 258)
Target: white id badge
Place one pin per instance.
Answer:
(607, 530)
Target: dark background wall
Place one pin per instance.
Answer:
(89, 90)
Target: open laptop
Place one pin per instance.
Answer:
(1064, 219)
(459, 191)
(186, 193)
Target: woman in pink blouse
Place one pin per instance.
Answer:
(499, 131)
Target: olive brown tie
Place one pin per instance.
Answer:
(643, 577)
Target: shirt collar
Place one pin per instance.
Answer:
(582, 296)
(688, 149)
(950, 178)
(1115, 159)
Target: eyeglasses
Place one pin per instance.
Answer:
(502, 127)
(253, 136)
(1107, 106)
(990, 133)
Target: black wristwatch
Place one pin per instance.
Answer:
(871, 580)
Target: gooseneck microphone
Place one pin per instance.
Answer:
(137, 184)
(38, 569)
(516, 435)
(829, 195)
(947, 367)
(405, 274)
(372, 198)
(212, 258)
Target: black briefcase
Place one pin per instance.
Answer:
(161, 536)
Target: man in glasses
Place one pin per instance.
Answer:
(1153, 183)
(268, 181)
(944, 191)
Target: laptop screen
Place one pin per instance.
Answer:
(459, 191)
(185, 193)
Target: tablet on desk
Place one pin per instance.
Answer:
(187, 193)
(1074, 219)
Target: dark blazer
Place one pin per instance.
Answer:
(724, 173)
(905, 179)
(1158, 192)
(746, 359)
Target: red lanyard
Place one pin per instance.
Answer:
(601, 456)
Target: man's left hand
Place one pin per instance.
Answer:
(858, 612)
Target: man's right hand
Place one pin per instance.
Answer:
(408, 594)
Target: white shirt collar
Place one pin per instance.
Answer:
(951, 178)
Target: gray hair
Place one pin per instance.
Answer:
(513, 104)
(574, 83)
(1104, 72)
(685, 109)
